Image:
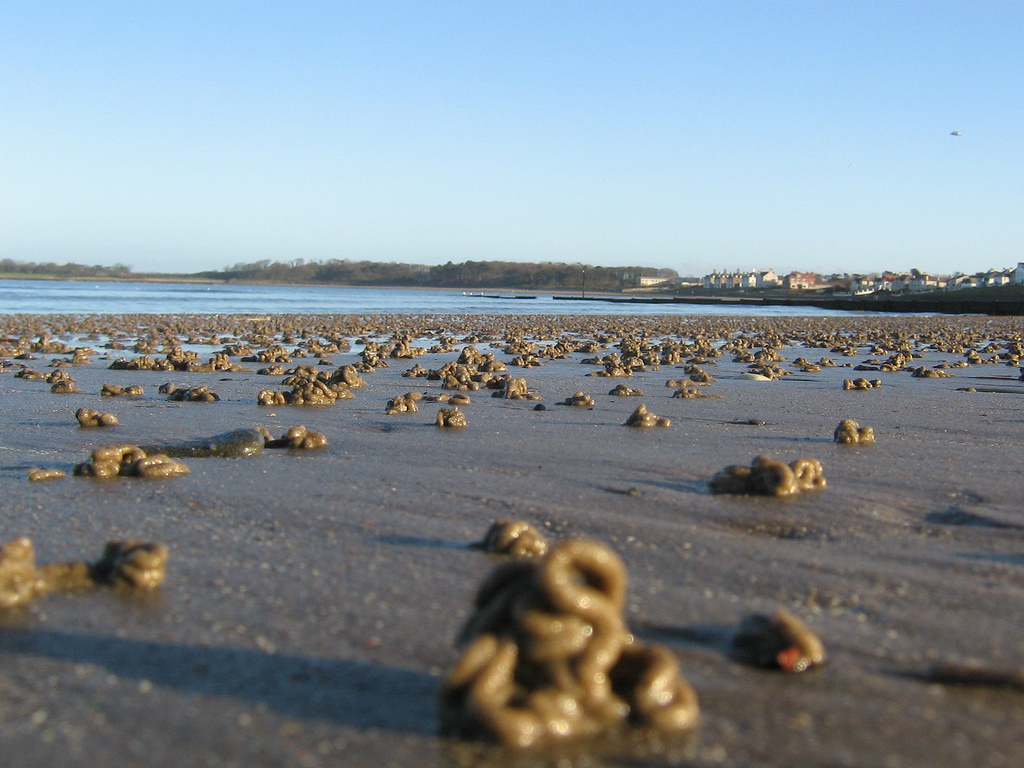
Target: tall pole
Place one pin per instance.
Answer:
(583, 293)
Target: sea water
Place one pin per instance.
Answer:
(79, 297)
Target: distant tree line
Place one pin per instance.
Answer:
(466, 275)
(49, 269)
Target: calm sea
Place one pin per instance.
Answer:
(89, 298)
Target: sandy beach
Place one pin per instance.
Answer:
(313, 598)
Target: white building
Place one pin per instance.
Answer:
(965, 281)
(921, 283)
(764, 278)
(863, 284)
(995, 277)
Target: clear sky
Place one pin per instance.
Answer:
(815, 136)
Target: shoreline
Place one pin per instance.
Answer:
(938, 305)
(313, 599)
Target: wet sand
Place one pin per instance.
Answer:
(313, 598)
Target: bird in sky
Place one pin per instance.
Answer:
(956, 133)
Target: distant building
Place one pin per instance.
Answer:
(887, 282)
(958, 282)
(801, 281)
(765, 278)
(647, 282)
(715, 280)
(995, 277)
(895, 281)
(863, 284)
(860, 285)
(922, 282)
(689, 282)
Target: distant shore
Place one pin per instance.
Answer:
(109, 279)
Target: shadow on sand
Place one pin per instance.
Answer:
(351, 693)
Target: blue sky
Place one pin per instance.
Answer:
(181, 136)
